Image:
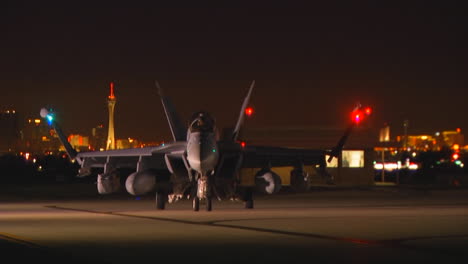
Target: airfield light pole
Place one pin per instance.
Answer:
(405, 127)
(383, 165)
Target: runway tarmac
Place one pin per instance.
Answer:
(338, 226)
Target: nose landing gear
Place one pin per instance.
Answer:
(203, 192)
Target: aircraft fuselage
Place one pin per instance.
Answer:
(202, 148)
(202, 152)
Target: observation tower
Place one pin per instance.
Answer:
(111, 105)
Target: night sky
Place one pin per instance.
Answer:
(311, 63)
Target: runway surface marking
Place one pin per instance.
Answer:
(216, 224)
(389, 243)
(19, 240)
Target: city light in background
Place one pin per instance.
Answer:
(308, 66)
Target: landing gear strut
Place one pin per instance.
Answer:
(203, 192)
(160, 200)
(208, 203)
(196, 203)
(248, 199)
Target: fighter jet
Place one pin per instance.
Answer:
(197, 165)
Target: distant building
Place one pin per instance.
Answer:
(98, 138)
(128, 143)
(436, 142)
(453, 137)
(38, 137)
(79, 142)
(384, 135)
(419, 142)
(9, 131)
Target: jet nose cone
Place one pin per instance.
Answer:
(203, 161)
(202, 157)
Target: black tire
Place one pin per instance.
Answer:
(249, 204)
(298, 181)
(196, 203)
(248, 198)
(208, 204)
(160, 200)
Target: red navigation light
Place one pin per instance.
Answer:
(249, 111)
(368, 110)
(242, 143)
(359, 114)
(111, 95)
(357, 118)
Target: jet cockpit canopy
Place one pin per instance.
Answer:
(202, 122)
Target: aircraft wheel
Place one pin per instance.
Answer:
(160, 200)
(249, 203)
(208, 204)
(196, 203)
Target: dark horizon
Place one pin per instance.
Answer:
(311, 64)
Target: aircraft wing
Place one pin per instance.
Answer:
(130, 158)
(139, 158)
(147, 151)
(265, 156)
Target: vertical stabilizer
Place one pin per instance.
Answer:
(50, 117)
(178, 130)
(240, 120)
(358, 114)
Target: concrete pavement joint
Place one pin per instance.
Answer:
(392, 243)
(18, 240)
(214, 224)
